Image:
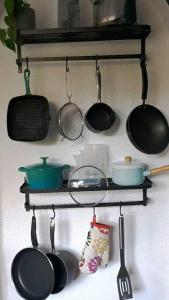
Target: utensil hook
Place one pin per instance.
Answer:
(53, 209)
(27, 63)
(121, 209)
(34, 211)
(94, 214)
(98, 79)
(68, 85)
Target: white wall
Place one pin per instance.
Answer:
(147, 243)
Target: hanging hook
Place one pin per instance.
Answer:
(94, 214)
(27, 63)
(97, 66)
(120, 209)
(67, 67)
(53, 209)
(33, 210)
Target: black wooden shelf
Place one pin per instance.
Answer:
(64, 189)
(84, 34)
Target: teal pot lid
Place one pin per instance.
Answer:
(43, 165)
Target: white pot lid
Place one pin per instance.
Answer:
(128, 163)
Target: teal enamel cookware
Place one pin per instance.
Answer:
(131, 172)
(44, 175)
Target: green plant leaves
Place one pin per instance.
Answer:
(2, 35)
(11, 31)
(10, 44)
(9, 6)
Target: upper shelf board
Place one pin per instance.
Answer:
(85, 34)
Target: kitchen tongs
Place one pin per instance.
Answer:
(123, 279)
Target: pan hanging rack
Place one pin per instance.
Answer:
(111, 186)
(102, 33)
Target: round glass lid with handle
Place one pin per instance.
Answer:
(87, 185)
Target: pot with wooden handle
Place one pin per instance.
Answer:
(130, 172)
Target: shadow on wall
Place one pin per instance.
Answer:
(130, 240)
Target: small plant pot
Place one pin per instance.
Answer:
(26, 19)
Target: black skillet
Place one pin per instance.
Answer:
(28, 115)
(100, 116)
(146, 126)
(32, 272)
(63, 264)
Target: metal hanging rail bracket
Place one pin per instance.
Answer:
(27, 191)
(88, 34)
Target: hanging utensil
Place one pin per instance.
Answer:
(62, 262)
(146, 126)
(32, 271)
(100, 116)
(123, 278)
(28, 115)
(69, 117)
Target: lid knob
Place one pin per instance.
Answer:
(44, 159)
(128, 159)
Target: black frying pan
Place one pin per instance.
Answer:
(63, 264)
(28, 115)
(32, 271)
(100, 116)
(146, 126)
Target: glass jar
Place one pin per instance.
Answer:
(68, 13)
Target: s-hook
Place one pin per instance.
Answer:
(53, 209)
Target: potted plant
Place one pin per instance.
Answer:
(19, 15)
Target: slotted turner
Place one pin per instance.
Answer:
(123, 279)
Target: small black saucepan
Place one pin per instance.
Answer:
(100, 116)
(63, 264)
(32, 271)
(28, 115)
(146, 126)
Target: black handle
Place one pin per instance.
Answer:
(121, 239)
(33, 233)
(144, 80)
(52, 233)
(99, 83)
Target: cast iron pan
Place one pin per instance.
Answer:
(146, 126)
(32, 271)
(28, 115)
(100, 116)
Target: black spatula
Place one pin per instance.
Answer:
(123, 279)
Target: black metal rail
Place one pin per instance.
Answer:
(64, 189)
(88, 34)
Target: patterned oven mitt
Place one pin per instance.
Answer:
(96, 249)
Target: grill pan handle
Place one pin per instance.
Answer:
(27, 80)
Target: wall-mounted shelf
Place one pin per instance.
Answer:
(87, 34)
(64, 189)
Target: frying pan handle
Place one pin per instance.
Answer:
(27, 79)
(121, 239)
(33, 233)
(98, 78)
(52, 233)
(144, 80)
